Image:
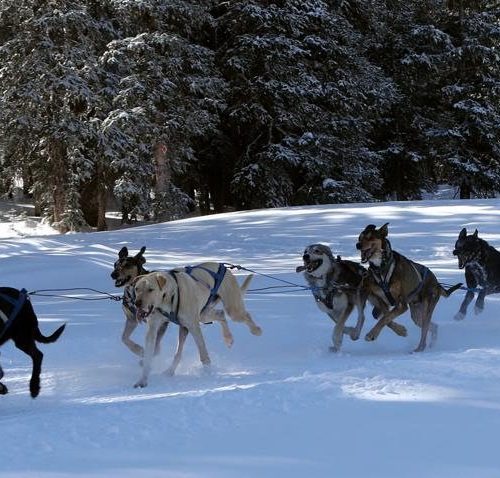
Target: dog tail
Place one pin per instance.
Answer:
(246, 283)
(447, 292)
(39, 337)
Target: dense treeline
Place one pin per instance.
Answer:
(167, 106)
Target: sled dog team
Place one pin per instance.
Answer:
(188, 297)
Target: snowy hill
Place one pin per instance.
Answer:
(276, 405)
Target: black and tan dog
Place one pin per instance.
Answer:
(482, 269)
(336, 287)
(125, 271)
(19, 323)
(395, 283)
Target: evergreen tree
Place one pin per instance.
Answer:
(302, 103)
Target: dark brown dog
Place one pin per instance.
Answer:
(126, 269)
(395, 283)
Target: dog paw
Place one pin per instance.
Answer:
(170, 372)
(229, 341)
(3, 389)
(34, 388)
(141, 384)
(334, 349)
(459, 316)
(256, 330)
(370, 337)
(352, 332)
(478, 309)
(399, 329)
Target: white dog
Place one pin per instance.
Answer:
(187, 297)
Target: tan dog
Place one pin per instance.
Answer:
(188, 299)
(395, 283)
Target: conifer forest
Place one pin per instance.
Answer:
(163, 107)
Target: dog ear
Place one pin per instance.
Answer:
(463, 233)
(384, 230)
(123, 252)
(475, 234)
(139, 256)
(161, 279)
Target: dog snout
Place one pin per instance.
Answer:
(306, 257)
(455, 252)
(138, 303)
(114, 275)
(358, 246)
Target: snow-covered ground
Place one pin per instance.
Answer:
(276, 405)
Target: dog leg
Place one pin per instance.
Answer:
(434, 333)
(219, 316)
(236, 310)
(3, 388)
(130, 326)
(338, 330)
(360, 305)
(385, 320)
(479, 305)
(195, 330)
(398, 329)
(161, 333)
(463, 307)
(30, 348)
(154, 324)
(183, 333)
(421, 314)
(382, 310)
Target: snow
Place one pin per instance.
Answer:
(276, 405)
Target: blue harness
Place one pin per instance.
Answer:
(173, 316)
(17, 305)
(218, 277)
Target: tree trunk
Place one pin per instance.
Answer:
(57, 155)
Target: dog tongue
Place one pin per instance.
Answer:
(300, 268)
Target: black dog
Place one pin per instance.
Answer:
(482, 269)
(19, 323)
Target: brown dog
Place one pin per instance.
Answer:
(395, 283)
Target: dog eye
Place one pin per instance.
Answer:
(150, 289)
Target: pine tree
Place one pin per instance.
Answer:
(302, 103)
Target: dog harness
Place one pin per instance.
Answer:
(16, 304)
(173, 316)
(383, 275)
(218, 277)
(128, 300)
(383, 279)
(422, 272)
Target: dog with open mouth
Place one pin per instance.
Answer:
(125, 270)
(187, 297)
(336, 286)
(395, 283)
(482, 269)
